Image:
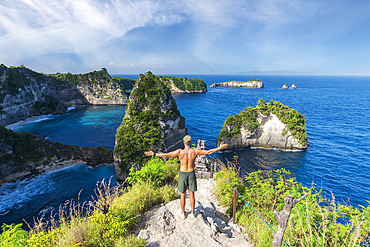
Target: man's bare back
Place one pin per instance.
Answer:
(187, 178)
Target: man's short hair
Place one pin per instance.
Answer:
(187, 139)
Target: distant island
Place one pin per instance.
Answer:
(254, 83)
(184, 85)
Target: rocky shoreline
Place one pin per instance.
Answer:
(23, 155)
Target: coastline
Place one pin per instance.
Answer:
(50, 167)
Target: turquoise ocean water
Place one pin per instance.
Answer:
(338, 159)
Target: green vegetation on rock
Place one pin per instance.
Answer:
(125, 83)
(294, 120)
(184, 84)
(140, 129)
(95, 77)
(46, 107)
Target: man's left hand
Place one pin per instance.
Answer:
(149, 153)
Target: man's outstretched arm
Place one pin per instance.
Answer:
(211, 151)
(172, 154)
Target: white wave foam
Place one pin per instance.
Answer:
(71, 108)
(45, 210)
(277, 149)
(34, 119)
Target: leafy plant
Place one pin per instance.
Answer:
(317, 221)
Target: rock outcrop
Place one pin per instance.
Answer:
(163, 226)
(285, 86)
(25, 93)
(23, 155)
(269, 125)
(184, 85)
(151, 121)
(249, 84)
(294, 86)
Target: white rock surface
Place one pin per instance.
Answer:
(163, 226)
(249, 84)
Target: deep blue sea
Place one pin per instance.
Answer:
(338, 159)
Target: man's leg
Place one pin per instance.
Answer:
(182, 201)
(192, 201)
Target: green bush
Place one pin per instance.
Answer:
(13, 235)
(315, 221)
(156, 171)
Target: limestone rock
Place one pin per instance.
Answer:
(60, 109)
(285, 86)
(270, 131)
(249, 84)
(151, 121)
(165, 227)
(294, 86)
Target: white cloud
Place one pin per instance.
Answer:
(70, 34)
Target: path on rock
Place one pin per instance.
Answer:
(163, 225)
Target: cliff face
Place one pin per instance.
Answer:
(98, 87)
(184, 85)
(269, 125)
(151, 121)
(25, 93)
(23, 155)
(249, 84)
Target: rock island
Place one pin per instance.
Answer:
(249, 84)
(268, 125)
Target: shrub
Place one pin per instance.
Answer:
(317, 221)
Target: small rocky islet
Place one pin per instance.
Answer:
(254, 83)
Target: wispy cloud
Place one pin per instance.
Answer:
(174, 36)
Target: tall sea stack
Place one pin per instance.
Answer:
(151, 121)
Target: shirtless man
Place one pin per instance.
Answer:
(187, 179)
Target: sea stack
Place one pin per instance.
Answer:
(268, 125)
(285, 86)
(151, 122)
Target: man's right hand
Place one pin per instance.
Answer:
(222, 145)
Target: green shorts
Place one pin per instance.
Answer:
(187, 180)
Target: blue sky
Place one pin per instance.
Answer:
(187, 36)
